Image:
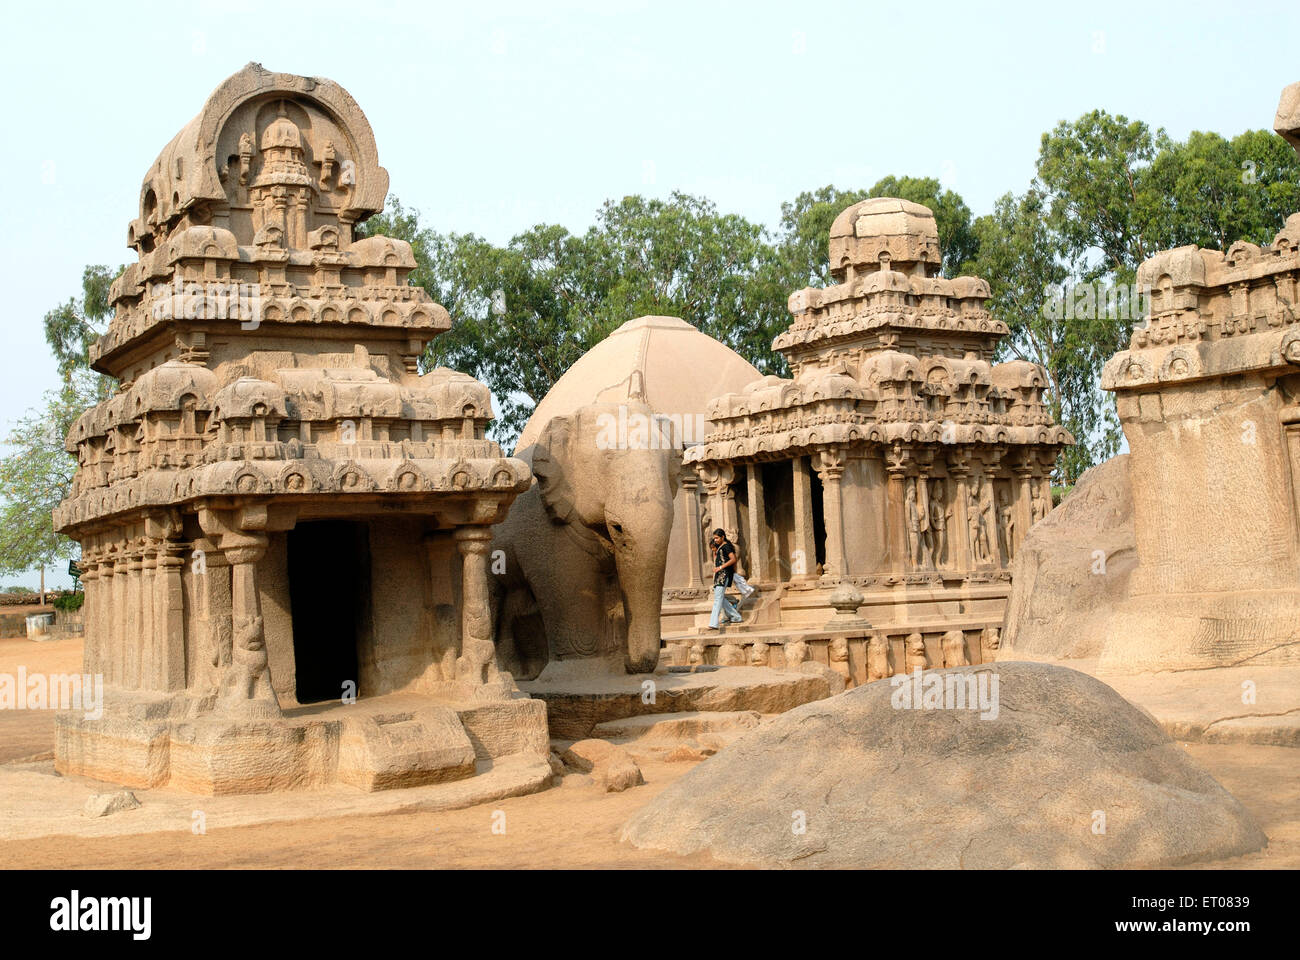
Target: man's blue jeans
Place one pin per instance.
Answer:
(721, 603)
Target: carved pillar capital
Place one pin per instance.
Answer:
(475, 539)
(243, 548)
(829, 463)
(716, 476)
(898, 456)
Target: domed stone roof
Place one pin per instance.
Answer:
(884, 229)
(678, 368)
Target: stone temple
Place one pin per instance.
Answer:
(878, 497)
(1209, 396)
(277, 509)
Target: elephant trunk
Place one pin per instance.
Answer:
(642, 581)
(639, 517)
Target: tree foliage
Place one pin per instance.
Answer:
(36, 475)
(72, 327)
(523, 313)
(36, 472)
(1108, 193)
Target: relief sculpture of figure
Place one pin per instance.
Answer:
(1007, 526)
(938, 525)
(979, 551)
(878, 657)
(914, 652)
(839, 659)
(913, 523)
(925, 534)
(954, 649)
(988, 522)
(1041, 505)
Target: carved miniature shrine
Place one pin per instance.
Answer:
(879, 495)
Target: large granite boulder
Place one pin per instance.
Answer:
(1056, 770)
(1072, 570)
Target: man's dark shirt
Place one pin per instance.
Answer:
(720, 556)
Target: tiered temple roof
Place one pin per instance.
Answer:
(892, 352)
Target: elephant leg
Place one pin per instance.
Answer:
(568, 585)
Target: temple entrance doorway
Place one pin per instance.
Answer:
(329, 594)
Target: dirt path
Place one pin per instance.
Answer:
(562, 827)
(24, 733)
(576, 826)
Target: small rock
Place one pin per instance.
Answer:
(610, 766)
(833, 678)
(557, 765)
(585, 754)
(689, 751)
(618, 773)
(103, 804)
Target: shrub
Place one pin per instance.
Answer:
(69, 602)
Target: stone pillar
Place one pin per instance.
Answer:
(830, 470)
(91, 657)
(896, 508)
(169, 618)
(446, 631)
(695, 550)
(115, 618)
(758, 545)
(131, 617)
(145, 641)
(246, 686)
(804, 549)
(1023, 506)
(717, 478)
(477, 661)
(211, 578)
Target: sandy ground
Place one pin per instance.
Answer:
(24, 733)
(574, 826)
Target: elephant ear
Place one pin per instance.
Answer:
(550, 460)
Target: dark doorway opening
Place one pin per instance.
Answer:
(818, 518)
(329, 597)
(778, 507)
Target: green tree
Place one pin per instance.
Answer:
(1217, 191)
(36, 475)
(1022, 258)
(1109, 193)
(72, 327)
(523, 313)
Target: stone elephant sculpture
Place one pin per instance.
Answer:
(585, 547)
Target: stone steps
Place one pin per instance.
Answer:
(576, 705)
(677, 726)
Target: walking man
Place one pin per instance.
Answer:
(724, 570)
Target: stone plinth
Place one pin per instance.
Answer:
(401, 740)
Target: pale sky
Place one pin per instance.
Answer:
(493, 117)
